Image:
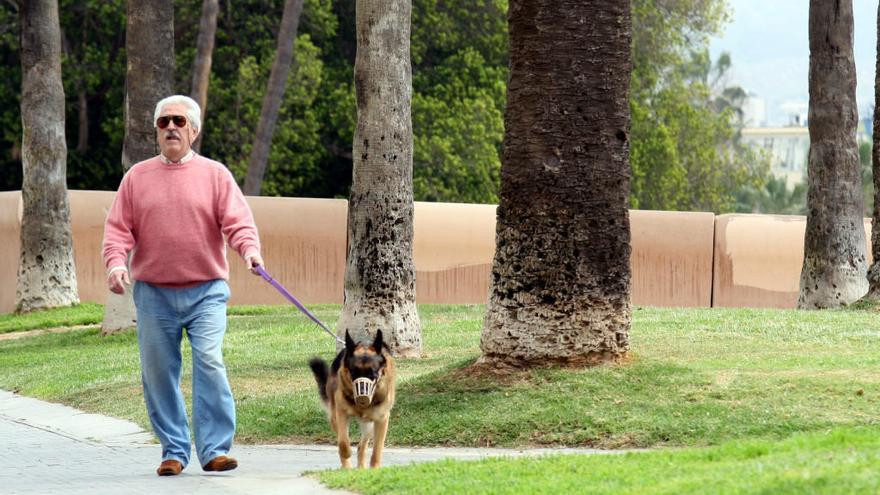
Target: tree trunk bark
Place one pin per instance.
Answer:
(380, 275)
(834, 270)
(46, 272)
(874, 271)
(560, 283)
(201, 75)
(149, 46)
(253, 183)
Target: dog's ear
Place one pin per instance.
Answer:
(377, 342)
(349, 344)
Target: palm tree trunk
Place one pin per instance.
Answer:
(46, 274)
(253, 183)
(834, 272)
(202, 64)
(379, 274)
(874, 271)
(149, 46)
(560, 283)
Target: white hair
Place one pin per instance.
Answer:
(193, 112)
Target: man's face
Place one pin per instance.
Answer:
(175, 141)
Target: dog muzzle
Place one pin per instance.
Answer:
(363, 391)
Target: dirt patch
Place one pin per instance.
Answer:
(504, 373)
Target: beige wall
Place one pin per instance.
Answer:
(453, 247)
(758, 259)
(678, 258)
(88, 209)
(671, 258)
(10, 226)
(303, 249)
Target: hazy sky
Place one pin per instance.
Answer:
(769, 47)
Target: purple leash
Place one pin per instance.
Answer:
(284, 292)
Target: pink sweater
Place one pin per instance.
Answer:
(174, 218)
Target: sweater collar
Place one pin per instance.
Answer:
(187, 157)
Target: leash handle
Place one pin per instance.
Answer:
(284, 292)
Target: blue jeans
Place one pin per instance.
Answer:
(162, 315)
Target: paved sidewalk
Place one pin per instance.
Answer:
(54, 449)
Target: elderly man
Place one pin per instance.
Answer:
(171, 213)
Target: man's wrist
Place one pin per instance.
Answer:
(116, 269)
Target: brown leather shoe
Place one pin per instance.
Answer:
(221, 463)
(169, 468)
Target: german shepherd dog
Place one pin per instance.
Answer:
(359, 383)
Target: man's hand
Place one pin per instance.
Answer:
(253, 261)
(117, 281)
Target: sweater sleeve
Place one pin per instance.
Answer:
(119, 237)
(236, 219)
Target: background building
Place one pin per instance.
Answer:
(788, 148)
(754, 111)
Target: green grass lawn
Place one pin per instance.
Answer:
(715, 381)
(841, 462)
(696, 377)
(81, 314)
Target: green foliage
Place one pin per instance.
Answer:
(239, 75)
(94, 64)
(685, 149)
(684, 142)
(441, 29)
(296, 148)
(459, 115)
(774, 197)
(10, 100)
(459, 54)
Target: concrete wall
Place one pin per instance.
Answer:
(88, 209)
(758, 259)
(10, 226)
(678, 258)
(671, 258)
(303, 248)
(453, 247)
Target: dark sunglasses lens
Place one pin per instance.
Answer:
(179, 121)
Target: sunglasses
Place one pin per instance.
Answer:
(179, 121)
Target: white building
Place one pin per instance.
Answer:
(796, 112)
(788, 147)
(754, 110)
